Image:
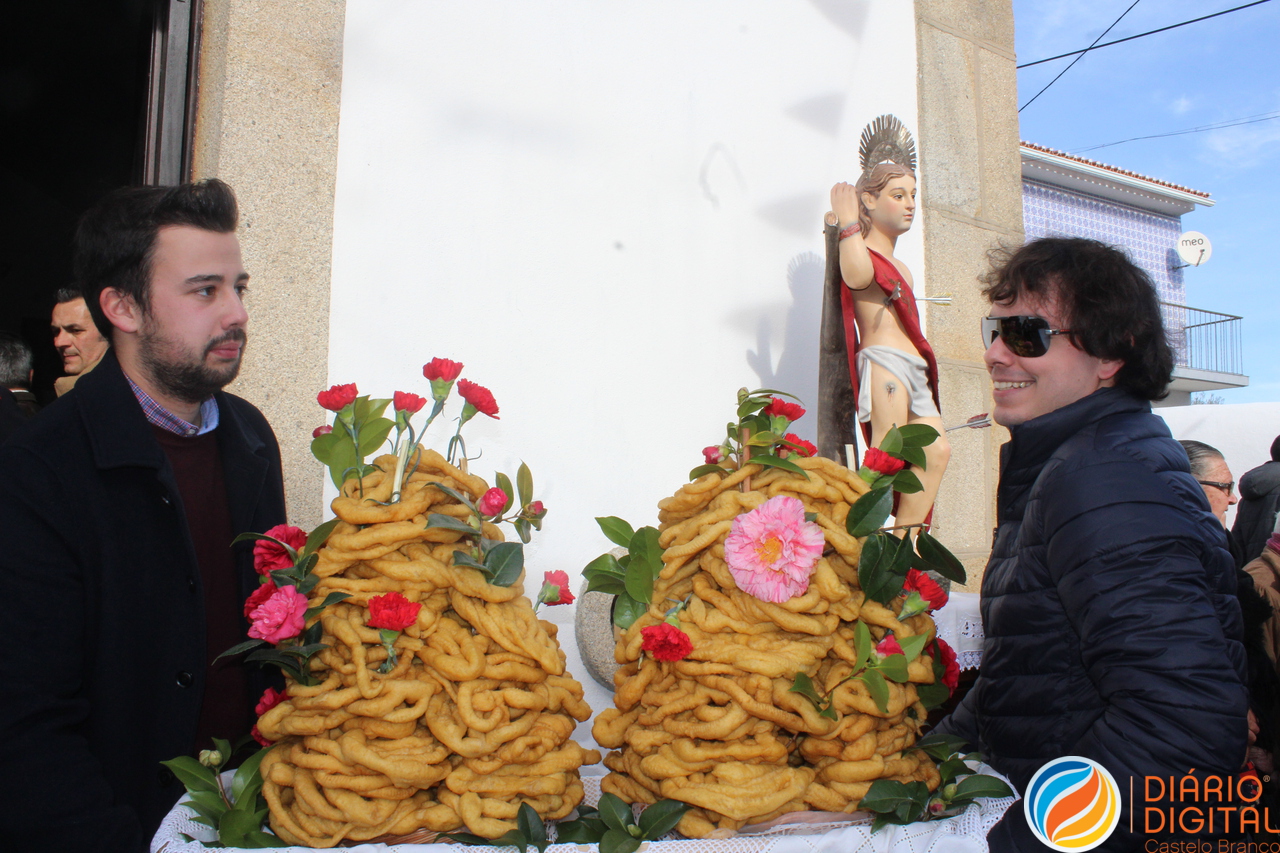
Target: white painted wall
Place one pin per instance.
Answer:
(611, 213)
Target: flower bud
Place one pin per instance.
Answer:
(211, 758)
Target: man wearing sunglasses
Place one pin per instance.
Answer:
(1112, 627)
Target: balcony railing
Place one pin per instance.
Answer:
(1204, 340)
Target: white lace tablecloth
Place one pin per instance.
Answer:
(960, 624)
(964, 833)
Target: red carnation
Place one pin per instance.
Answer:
(950, 667)
(480, 397)
(805, 448)
(271, 556)
(441, 369)
(269, 700)
(666, 642)
(555, 588)
(888, 646)
(392, 611)
(780, 408)
(406, 402)
(258, 596)
(882, 463)
(321, 430)
(338, 397)
(934, 595)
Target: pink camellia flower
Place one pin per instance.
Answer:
(804, 448)
(713, 454)
(280, 617)
(950, 666)
(537, 510)
(321, 430)
(258, 596)
(392, 611)
(882, 463)
(269, 700)
(933, 594)
(771, 551)
(666, 642)
(493, 502)
(555, 588)
(406, 402)
(270, 556)
(780, 408)
(338, 397)
(480, 398)
(888, 646)
(442, 369)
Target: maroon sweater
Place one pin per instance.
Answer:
(197, 466)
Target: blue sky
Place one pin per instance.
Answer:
(1205, 73)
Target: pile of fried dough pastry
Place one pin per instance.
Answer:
(478, 713)
(720, 730)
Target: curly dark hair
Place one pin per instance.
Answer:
(116, 238)
(1108, 300)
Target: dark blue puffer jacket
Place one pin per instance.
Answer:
(1108, 604)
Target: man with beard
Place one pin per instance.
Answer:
(119, 584)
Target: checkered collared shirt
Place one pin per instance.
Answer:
(168, 421)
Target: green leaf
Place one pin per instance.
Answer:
(531, 826)
(878, 689)
(906, 482)
(247, 776)
(646, 554)
(917, 435)
(804, 685)
(256, 839)
(763, 438)
(262, 537)
(951, 768)
(862, 644)
(768, 460)
(367, 407)
(207, 804)
(317, 537)
(911, 646)
(914, 456)
(607, 584)
(933, 695)
(467, 838)
(703, 470)
(448, 522)
(876, 573)
(615, 813)
(286, 663)
(302, 652)
(639, 586)
(869, 512)
(457, 496)
(374, 434)
(505, 563)
(981, 785)
(605, 564)
(751, 405)
(238, 648)
(584, 830)
(616, 530)
(627, 610)
(660, 818)
(524, 482)
(892, 442)
(524, 529)
(310, 636)
(285, 577)
(502, 481)
(462, 558)
(894, 668)
(618, 842)
(884, 795)
(308, 583)
(331, 598)
(935, 555)
(940, 746)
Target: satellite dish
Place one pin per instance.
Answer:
(1194, 248)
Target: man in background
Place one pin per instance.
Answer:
(17, 403)
(75, 337)
(1259, 506)
(120, 585)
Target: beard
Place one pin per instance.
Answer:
(180, 373)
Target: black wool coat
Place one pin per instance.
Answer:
(1112, 626)
(102, 615)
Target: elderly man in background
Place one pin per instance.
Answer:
(17, 403)
(75, 337)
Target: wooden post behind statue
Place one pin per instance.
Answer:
(891, 365)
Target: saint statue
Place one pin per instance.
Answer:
(892, 368)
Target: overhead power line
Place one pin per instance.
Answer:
(1096, 46)
(1078, 58)
(1235, 122)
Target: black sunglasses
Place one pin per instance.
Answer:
(1025, 336)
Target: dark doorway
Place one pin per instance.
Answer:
(78, 103)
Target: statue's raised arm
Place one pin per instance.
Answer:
(893, 369)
